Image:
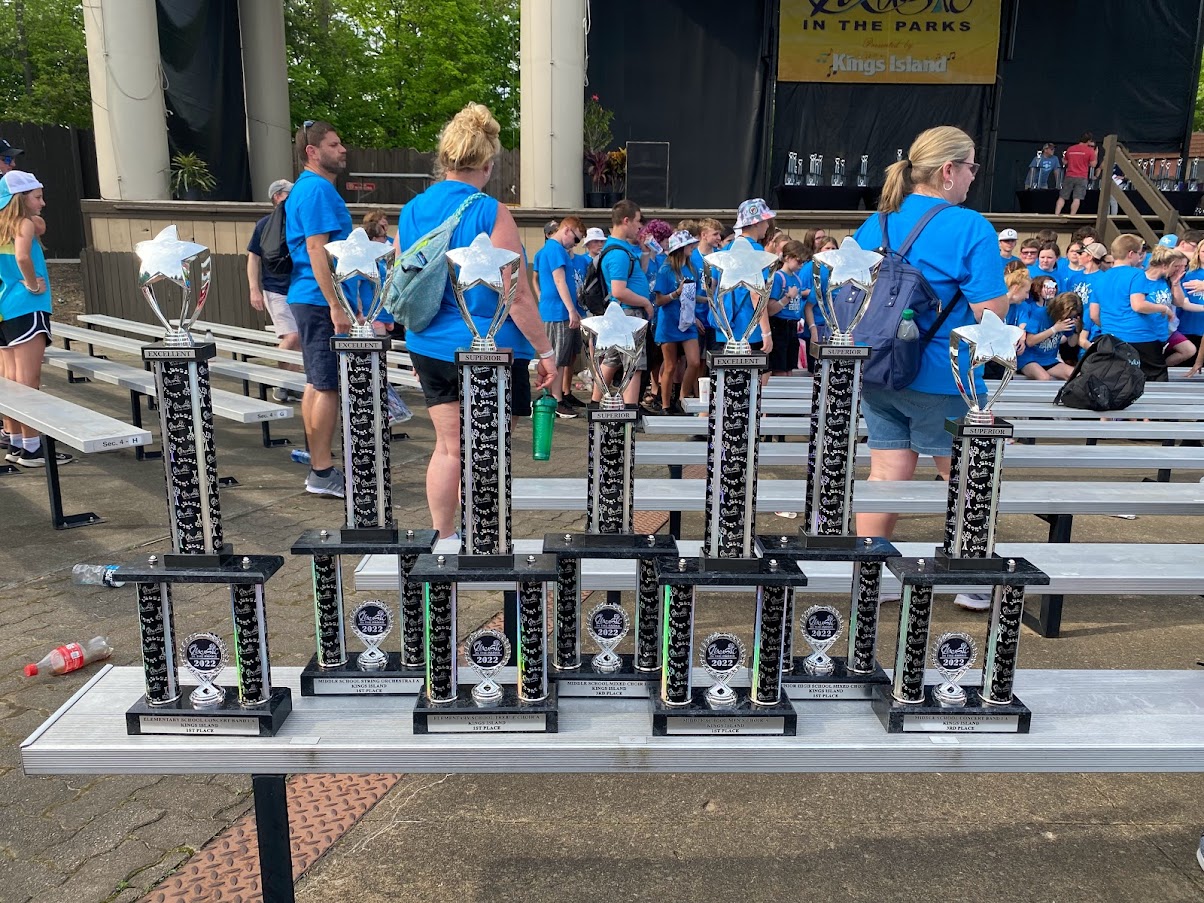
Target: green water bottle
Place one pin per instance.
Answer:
(543, 417)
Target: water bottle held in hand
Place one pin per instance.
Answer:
(543, 416)
(71, 657)
(95, 575)
(908, 331)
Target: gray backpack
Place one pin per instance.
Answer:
(415, 289)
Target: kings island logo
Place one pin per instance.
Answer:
(870, 66)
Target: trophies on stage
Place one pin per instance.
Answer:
(728, 547)
(370, 527)
(610, 489)
(827, 533)
(863, 174)
(486, 552)
(966, 558)
(199, 552)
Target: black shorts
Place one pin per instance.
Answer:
(1153, 363)
(316, 330)
(440, 382)
(21, 329)
(784, 356)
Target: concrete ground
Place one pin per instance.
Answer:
(490, 837)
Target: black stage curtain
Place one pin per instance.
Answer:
(693, 73)
(199, 45)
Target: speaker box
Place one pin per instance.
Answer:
(648, 173)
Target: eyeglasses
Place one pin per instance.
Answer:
(1028, 252)
(974, 167)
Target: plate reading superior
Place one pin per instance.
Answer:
(961, 724)
(187, 724)
(484, 724)
(706, 725)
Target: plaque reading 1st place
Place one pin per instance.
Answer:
(833, 691)
(710, 725)
(360, 686)
(484, 724)
(186, 724)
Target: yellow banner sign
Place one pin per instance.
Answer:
(915, 42)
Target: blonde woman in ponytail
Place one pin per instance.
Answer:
(957, 251)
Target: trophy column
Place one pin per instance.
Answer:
(966, 557)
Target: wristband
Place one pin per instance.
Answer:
(551, 352)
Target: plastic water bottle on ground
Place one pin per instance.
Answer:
(300, 455)
(95, 575)
(71, 657)
(908, 331)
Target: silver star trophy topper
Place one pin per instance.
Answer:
(483, 264)
(165, 258)
(988, 340)
(852, 266)
(740, 266)
(613, 331)
(354, 256)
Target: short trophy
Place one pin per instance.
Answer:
(370, 528)
(488, 652)
(966, 558)
(827, 532)
(729, 542)
(169, 266)
(610, 487)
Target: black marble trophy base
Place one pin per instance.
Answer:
(509, 715)
(587, 681)
(839, 686)
(226, 720)
(699, 718)
(349, 680)
(930, 717)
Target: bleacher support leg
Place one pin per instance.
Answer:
(61, 521)
(140, 452)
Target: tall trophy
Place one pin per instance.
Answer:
(729, 542)
(199, 551)
(370, 528)
(827, 533)
(610, 488)
(486, 553)
(966, 558)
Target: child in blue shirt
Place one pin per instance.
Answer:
(1047, 326)
(675, 295)
(786, 300)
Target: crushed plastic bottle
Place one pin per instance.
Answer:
(95, 575)
(71, 657)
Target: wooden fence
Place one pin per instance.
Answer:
(64, 160)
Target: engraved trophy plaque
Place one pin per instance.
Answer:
(966, 558)
(169, 266)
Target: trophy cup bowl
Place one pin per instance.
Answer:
(356, 256)
(740, 266)
(988, 340)
(852, 266)
(481, 263)
(613, 331)
(165, 258)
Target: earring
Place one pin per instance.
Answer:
(948, 186)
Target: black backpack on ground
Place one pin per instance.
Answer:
(276, 258)
(1107, 377)
(595, 293)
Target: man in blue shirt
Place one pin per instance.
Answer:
(626, 283)
(316, 215)
(558, 307)
(1041, 170)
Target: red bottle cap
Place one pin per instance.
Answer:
(31, 670)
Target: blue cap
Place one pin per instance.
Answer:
(1169, 241)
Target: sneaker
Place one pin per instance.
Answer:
(5, 445)
(972, 601)
(279, 395)
(14, 455)
(38, 458)
(573, 401)
(565, 410)
(789, 515)
(332, 485)
(889, 595)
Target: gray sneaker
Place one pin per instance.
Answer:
(331, 485)
(973, 601)
(279, 395)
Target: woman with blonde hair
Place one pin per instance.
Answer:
(468, 145)
(957, 251)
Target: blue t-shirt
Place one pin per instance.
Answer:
(958, 250)
(1045, 167)
(782, 283)
(806, 275)
(738, 305)
(1034, 270)
(1034, 318)
(313, 207)
(15, 299)
(1116, 314)
(553, 257)
(448, 332)
(668, 316)
(270, 281)
(624, 265)
(581, 264)
(1153, 327)
(1084, 285)
(702, 306)
(1190, 322)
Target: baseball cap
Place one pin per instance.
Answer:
(1009, 235)
(594, 234)
(15, 182)
(278, 186)
(7, 150)
(680, 239)
(1096, 250)
(1169, 241)
(549, 227)
(753, 211)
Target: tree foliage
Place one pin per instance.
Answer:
(44, 63)
(390, 73)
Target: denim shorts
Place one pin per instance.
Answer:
(316, 330)
(907, 419)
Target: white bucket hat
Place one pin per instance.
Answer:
(753, 211)
(680, 239)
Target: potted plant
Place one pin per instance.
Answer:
(616, 174)
(596, 137)
(190, 177)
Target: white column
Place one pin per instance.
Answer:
(265, 81)
(552, 93)
(128, 113)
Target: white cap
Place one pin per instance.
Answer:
(680, 239)
(594, 234)
(15, 182)
(1009, 235)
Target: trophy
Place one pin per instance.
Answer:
(205, 656)
(821, 627)
(729, 545)
(952, 656)
(966, 558)
(722, 656)
(610, 488)
(488, 652)
(372, 622)
(863, 174)
(370, 528)
(167, 267)
(827, 532)
(606, 625)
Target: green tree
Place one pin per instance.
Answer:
(44, 63)
(390, 73)
(1199, 124)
